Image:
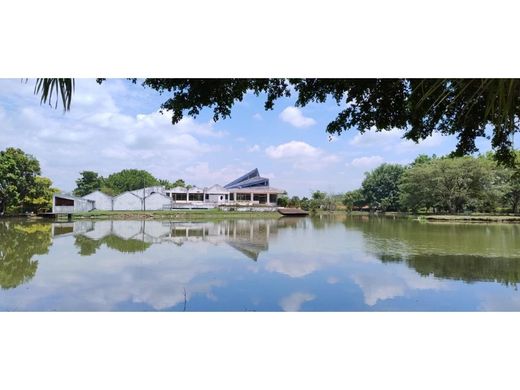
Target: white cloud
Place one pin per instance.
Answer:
(202, 174)
(292, 149)
(257, 116)
(366, 162)
(301, 155)
(373, 138)
(98, 134)
(294, 301)
(295, 117)
(392, 140)
(397, 282)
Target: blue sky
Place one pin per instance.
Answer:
(117, 125)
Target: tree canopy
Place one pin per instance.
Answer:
(380, 187)
(440, 184)
(21, 187)
(467, 108)
(88, 182)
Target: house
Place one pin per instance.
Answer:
(68, 204)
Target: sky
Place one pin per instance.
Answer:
(117, 125)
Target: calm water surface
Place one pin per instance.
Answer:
(336, 263)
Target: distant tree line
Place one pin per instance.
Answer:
(319, 201)
(22, 188)
(439, 185)
(119, 182)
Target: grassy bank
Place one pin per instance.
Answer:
(174, 214)
(447, 218)
(482, 218)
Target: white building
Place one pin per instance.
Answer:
(101, 200)
(69, 204)
(248, 190)
(127, 201)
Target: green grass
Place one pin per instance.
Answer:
(175, 214)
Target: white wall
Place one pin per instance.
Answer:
(215, 198)
(103, 201)
(127, 201)
(156, 202)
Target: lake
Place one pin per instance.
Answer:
(323, 263)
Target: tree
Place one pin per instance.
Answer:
(169, 185)
(464, 107)
(416, 189)
(282, 201)
(294, 202)
(89, 182)
(18, 172)
(454, 185)
(39, 197)
(130, 179)
(380, 187)
(353, 199)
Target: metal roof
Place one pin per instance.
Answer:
(250, 179)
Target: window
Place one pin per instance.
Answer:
(207, 196)
(241, 197)
(196, 197)
(178, 197)
(221, 197)
(63, 202)
(226, 197)
(260, 198)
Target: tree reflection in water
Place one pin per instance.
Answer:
(19, 243)
(470, 253)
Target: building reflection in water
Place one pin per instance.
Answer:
(250, 237)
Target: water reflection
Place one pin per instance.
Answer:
(18, 245)
(325, 263)
(250, 237)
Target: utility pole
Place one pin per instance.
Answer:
(144, 194)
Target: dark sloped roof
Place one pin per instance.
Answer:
(250, 179)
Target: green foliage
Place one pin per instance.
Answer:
(294, 202)
(380, 187)
(130, 179)
(18, 172)
(462, 107)
(169, 185)
(305, 203)
(353, 199)
(39, 197)
(282, 201)
(459, 184)
(88, 182)
(319, 195)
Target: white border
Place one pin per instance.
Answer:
(226, 38)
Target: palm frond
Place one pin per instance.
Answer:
(57, 89)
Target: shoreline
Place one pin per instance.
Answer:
(220, 214)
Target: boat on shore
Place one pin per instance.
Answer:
(292, 212)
